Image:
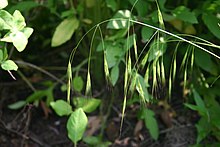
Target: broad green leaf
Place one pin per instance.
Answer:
(113, 54)
(111, 4)
(184, 14)
(92, 140)
(24, 6)
(114, 75)
(203, 129)
(146, 33)
(129, 42)
(151, 123)
(157, 49)
(7, 18)
(212, 22)
(19, 40)
(76, 125)
(4, 25)
(1, 55)
(17, 105)
(19, 20)
(87, 104)
(3, 3)
(61, 107)
(9, 65)
(64, 31)
(96, 141)
(120, 20)
(204, 61)
(78, 83)
(141, 7)
(27, 31)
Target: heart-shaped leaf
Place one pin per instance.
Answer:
(9, 65)
(61, 107)
(76, 125)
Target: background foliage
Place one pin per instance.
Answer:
(119, 44)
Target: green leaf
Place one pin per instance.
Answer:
(87, 104)
(204, 61)
(76, 125)
(111, 4)
(17, 105)
(212, 22)
(146, 33)
(7, 18)
(27, 31)
(141, 7)
(19, 40)
(9, 65)
(114, 75)
(1, 55)
(203, 129)
(185, 15)
(78, 83)
(3, 3)
(19, 20)
(157, 49)
(151, 123)
(64, 31)
(91, 140)
(114, 53)
(61, 107)
(120, 20)
(3, 25)
(24, 6)
(200, 104)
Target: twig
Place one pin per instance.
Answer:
(41, 70)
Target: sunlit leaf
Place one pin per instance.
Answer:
(87, 104)
(19, 20)
(7, 18)
(183, 13)
(19, 40)
(64, 31)
(120, 20)
(3, 3)
(27, 31)
(9, 65)
(76, 125)
(61, 107)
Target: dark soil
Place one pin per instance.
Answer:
(31, 127)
